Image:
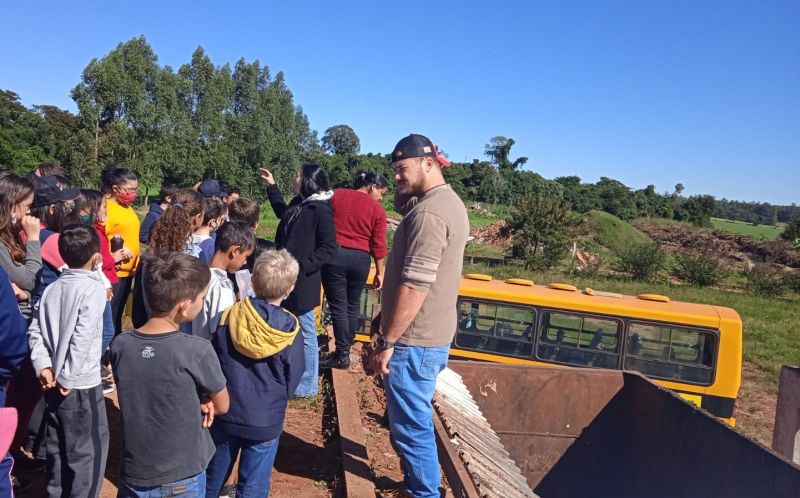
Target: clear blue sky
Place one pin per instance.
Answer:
(706, 93)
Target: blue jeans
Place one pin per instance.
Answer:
(410, 385)
(108, 326)
(189, 487)
(308, 382)
(255, 465)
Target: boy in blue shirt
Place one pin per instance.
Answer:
(262, 357)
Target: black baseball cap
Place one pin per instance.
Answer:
(211, 188)
(417, 146)
(47, 190)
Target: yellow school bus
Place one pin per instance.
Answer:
(692, 349)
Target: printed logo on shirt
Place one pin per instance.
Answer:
(148, 352)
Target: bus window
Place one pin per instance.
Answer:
(577, 339)
(495, 328)
(670, 353)
(369, 298)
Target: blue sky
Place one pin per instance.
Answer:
(706, 93)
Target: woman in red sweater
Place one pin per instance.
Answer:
(360, 233)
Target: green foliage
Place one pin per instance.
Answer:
(697, 210)
(703, 270)
(341, 140)
(792, 230)
(499, 151)
(643, 261)
(758, 232)
(611, 232)
(792, 281)
(766, 280)
(542, 229)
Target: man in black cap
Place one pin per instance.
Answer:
(418, 318)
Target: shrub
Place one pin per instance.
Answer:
(701, 270)
(766, 280)
(793, 281)
(542, 227)
(642, 261)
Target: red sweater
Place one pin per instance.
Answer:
(109, 268)
(360, 222)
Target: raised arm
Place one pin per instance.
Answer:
(273, 193)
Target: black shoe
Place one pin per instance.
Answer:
(335, 360)
(20, 485)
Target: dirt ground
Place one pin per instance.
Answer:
(307, 464)
(755, 408)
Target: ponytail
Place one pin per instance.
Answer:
(365, 179)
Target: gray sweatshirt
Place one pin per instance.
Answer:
(24, 275)
(67, 329)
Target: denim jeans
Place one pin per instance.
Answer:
(343, 279)
(308, 382)
(189, 487)
(255, 465)
(108, 326)
(410, 385)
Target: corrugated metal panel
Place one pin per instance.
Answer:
(491, 469)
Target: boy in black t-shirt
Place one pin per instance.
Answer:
(170, 385)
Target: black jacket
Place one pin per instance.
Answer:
(147, 224)
(310, 237)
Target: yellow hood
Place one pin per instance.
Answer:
(251, 335)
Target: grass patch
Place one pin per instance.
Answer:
(611, 232)
(267, 223)
(770, 331)
(758, 232)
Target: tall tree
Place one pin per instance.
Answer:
(341, 140)
(499, 151)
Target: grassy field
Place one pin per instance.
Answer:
(612, 232)
(758, 232)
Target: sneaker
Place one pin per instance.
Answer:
(105, 373)
(335, 361)
(20, 485)
(228, 491)
(108, 386)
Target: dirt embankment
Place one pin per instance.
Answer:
(732, 248)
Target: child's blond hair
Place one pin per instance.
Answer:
(274, 273)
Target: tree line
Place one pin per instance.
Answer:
(203, 120)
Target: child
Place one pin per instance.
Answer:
(93, 209)
(261, 354)
(204, 236)
(65, 337)
(156, 210)
(235, 242)
(172, 232)
(169, 383)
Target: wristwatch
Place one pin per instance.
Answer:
(381, 344)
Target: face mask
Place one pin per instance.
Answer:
(127, 197)
(86, 218)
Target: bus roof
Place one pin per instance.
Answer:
(649, 307)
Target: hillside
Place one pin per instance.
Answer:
(609, 231)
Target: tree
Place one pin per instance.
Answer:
(792, 230)
(341, 140)
(679, 189)
(542, 227)
(499, 151)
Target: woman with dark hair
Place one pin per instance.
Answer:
(360, 233)
(307, 231)
(121, 187)
(21, 259)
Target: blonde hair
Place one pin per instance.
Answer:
(274, 273)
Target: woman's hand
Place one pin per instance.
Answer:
(31, 226)
(377, 282)
(109, 294)
(20, 294)
(266, 175)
